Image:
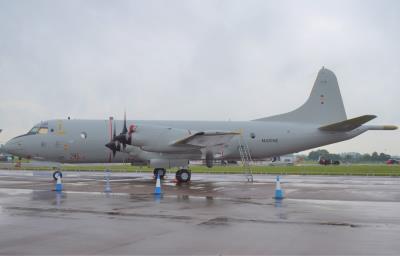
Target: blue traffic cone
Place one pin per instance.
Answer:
(58, 198)
(278, 189)
(59, 185)
(157, 190)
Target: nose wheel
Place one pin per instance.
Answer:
(159, 171)
(57, 174)
(183, 175)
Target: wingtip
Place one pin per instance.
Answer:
(390, 127)
(382, 127)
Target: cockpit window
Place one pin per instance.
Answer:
(38, 130)
(43, 130)
(34, 130)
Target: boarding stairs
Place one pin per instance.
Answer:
(245, 156)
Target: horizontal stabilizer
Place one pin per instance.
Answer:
(206, 139)
(347, 125)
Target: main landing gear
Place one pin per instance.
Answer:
(183, 175)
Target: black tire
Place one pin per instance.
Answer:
(183, 175)
(160, 171)
(56, 174)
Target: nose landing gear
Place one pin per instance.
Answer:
(57, 174)
(159, 171)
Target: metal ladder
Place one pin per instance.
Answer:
(246, 159)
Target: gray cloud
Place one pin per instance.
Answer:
(207, 60)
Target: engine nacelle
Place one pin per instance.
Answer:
(159, 139)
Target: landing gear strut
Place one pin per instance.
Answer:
(159, 171)
(183, 175)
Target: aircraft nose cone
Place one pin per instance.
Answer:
(12, 146)
(7, 148)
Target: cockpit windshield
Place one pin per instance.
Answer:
(37, 129)
(34, 130)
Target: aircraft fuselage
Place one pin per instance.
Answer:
(82, 141)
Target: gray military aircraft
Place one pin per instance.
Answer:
(321, 120)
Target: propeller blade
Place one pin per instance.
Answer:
(115, 132)
(125, 129)
(124, 137)
(111, 145)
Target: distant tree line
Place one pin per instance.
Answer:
(352, 157)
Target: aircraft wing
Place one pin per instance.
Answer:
(206, 139)
(347, 125)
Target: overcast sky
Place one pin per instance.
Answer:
(197, 60)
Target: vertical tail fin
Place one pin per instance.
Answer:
(324, 106)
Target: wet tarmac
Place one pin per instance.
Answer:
(214, 214)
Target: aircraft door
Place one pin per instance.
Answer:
(59, 143)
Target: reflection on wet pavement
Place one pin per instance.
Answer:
(214, 214)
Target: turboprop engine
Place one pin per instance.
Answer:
(151, 138)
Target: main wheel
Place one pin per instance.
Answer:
(183, 175)
(159, 171)
(57, 174)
